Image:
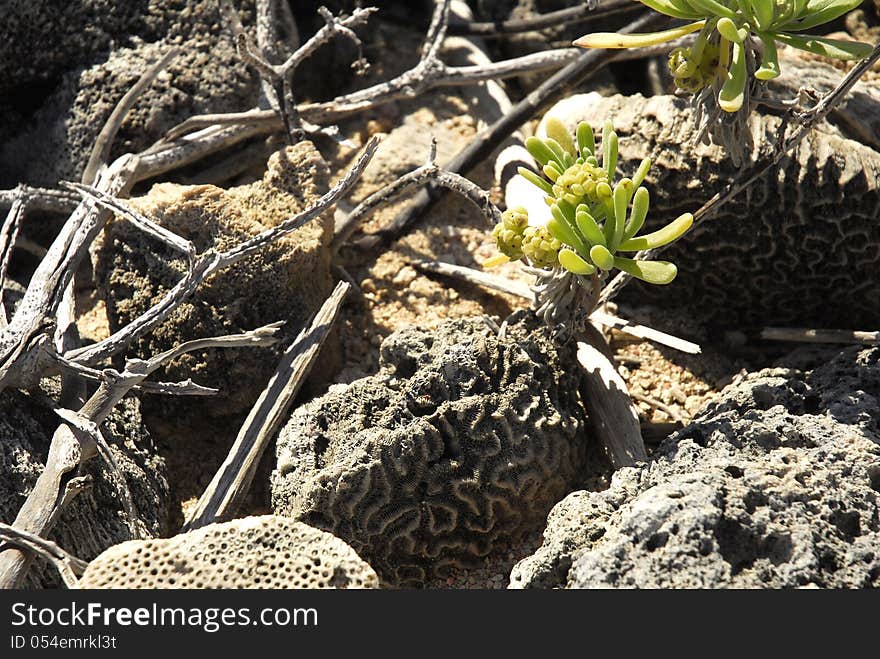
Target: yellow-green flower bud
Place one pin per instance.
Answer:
(508, 234)
(540, 247)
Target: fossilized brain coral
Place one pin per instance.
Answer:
(460, 444)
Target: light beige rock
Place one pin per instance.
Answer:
(254, 552)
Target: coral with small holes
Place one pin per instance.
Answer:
(253, 552)
(460, 444)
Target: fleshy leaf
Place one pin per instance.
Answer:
(533, 178)
(557, 130)
(588, 226)
(769, 61)
(600, 255)
(819, 14)
(713, 8)
(653, 272)
(730, 98)
(615, 40)
(664, 236)
(540, 151)
(574, 263)
(586, 140)
(674, 8)
(833, 48)
(641, 201)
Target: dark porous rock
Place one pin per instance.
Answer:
(460, 444)
(96, 519)
(65, 65)
(774, 485)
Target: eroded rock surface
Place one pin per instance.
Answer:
(801, 245)
(253, 552)
(460, 444)
(287, 280)
(774, 485)
(96, 519)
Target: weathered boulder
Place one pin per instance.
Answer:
(96, 519)
(774, 485)
(460, 444)
(63, 68)
(253, 552)
(801, 245)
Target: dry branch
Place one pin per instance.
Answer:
(74, 443)
(805, 335)
(233, 479)
(100, 153)
(612, 414)
(588, 11)
(68, 566)
(210, 262)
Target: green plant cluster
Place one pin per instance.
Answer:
(726, 29)
(592, 218)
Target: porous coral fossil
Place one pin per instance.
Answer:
(456, 448)
(253, 552)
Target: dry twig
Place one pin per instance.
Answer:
(233, 479)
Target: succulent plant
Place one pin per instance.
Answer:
(728, 30)
(591, 219)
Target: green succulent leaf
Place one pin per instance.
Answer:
(728, 29)
(609, 147)
(674, 8)
(600, 255)
(586, 140)
(818, 14)
(713, 8)
(833, 48)
(763, 11)
(641, 201)
(672, 231)
(641, 173)
(769, 68)
(653, 272)
(534, 179)
(730, 98)
(564, 230)
(588, 226)
(572, 262)
(540, 151)
(558, 152)
(621, 201)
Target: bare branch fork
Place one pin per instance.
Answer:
(210, 262)
(429, 172)
(797, 127)
(69, 567)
